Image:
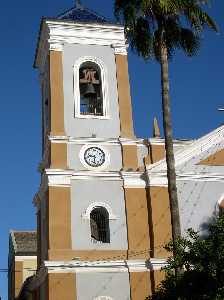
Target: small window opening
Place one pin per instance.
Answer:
(99, 223)
(90, 84)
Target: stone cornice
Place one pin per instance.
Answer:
(161, 141)
(55, 33)
(78, 266)
(123, 141)
(59, 177)
(160, 178)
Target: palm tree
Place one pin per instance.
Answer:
(155, 29)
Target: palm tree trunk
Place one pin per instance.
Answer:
(167, 126)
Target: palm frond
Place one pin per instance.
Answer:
(126, 9)
(148, 22)
(141, 39)
(197, 17)
(156, 44)
(189, 42)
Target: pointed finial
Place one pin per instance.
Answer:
(156, 130)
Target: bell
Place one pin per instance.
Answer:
(89, 90)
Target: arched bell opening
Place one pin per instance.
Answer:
(90, 85)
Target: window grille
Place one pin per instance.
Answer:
(99, 223)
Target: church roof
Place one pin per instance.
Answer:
(199, 151)
(80, 13)
(24, 242)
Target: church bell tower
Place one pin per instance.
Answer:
(92, 205)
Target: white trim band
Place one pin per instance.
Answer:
(77, 266)
(160, 178)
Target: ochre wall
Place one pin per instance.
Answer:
(130, 157)
(59, 216)
(157, 152)
(61, 286)
(124, 96)
(143, 284)
(140, 285)
(158, 277)
(137, 222)
(216, 159)
(29, 268)
(159, 220)
(18, 276)
(58, 155)
(57, 94)
(91, 255)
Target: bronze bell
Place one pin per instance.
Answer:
(89, 90)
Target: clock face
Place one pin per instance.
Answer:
(94, 157)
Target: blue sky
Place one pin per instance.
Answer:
(197, 90)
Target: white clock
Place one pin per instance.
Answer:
(94, 157)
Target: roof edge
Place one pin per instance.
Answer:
(185, 155)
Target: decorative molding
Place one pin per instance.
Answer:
(76, 89)
(160, 141)
(78, 266)
(58, 138)
(64, 177)
(123, 141)
(204, 177)
(56, 33)
(120, 49)
(134, 179)
(160, 178)
(86, 214)
(54, 177)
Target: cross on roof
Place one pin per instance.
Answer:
(78, 3)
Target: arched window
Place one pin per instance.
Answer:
(99, 224)
(90, 86)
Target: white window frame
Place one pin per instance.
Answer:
(104, 86)
(92, 206)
